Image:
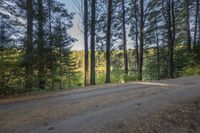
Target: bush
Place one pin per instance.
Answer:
(193, 70)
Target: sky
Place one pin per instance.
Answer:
(75, 30)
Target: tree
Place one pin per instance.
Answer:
(136, 33)
(3, 40)
(168, 15)
(141, 39)
(86, 40)
(50, 44)
(196, 23)
(92, 41)
(41, 53)
(157, 47)
(29, 47)
(124, 39)
(188, 25)
(64, 62)
(108, 38)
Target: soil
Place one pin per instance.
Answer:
(178, 118)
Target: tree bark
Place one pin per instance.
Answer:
(2, 73)
(93, 21)
(50, 44)
(141, 39)
(196, 23)
(41, 72)
(124, 40)
(188, 26)
(170, 36)
(86, 41)
(108, 38)
(29, 47)
(136, 37)
(158, 50)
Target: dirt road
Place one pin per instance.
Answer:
(94, 109)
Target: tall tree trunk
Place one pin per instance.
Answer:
(196, 23)
(124, 40)
(2, 73)
(136, 36)
(2, 76)
(141, 39)
(108, 38)
(93, 21)
(198, 44)
(188, 26)
(60, 66)
(86, 41)
(50, 44)
(29, 47)
(41, 73)
(158, 50)
(199, 34)
(170, 36)
(173, 39)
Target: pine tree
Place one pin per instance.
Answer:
(86, 41)
(108, 40)
(93, 22)
(29, 47)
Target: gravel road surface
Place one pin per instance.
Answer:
(97, 109)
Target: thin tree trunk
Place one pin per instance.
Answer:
(196, 23)
(2, 79)
(93, 21)
(108, 38)
(173, 39)
(2, 76)
(124, 40)
(60, 66)
(158, 50)
(136, 37)
(41, 73)
(141, 39)
(188, 26)
(198, 44)
(86, 40)
(29, 47)
(50, 44)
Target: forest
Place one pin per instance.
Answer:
(124, 40)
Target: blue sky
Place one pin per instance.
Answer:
(75, 31)
(69, 4)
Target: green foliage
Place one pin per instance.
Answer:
(193, 70)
